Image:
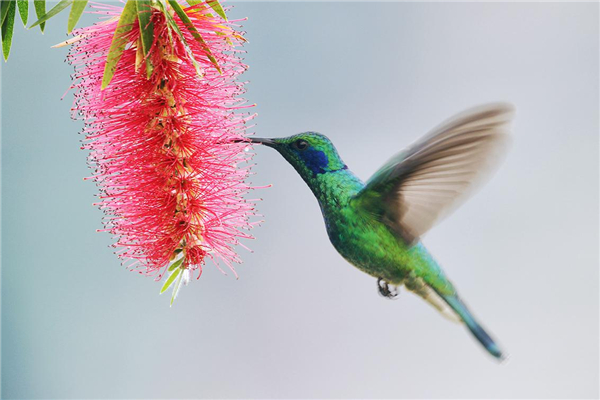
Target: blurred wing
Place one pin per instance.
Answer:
(421, 185)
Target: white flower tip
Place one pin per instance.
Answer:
(186, 276)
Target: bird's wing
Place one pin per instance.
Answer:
(424, 183)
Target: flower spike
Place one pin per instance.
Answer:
(163, 142)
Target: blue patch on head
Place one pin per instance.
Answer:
(316, 160)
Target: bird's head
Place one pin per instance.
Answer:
(310, 153)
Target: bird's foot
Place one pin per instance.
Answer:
(385, 290)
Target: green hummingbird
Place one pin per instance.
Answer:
(377, 225)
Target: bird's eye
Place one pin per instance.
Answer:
(301, 144)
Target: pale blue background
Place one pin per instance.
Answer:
(300, 322)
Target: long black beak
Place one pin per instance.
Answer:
(264, 141)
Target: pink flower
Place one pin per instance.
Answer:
(171, 185)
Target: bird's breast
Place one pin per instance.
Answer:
(366, 244)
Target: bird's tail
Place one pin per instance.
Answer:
(480, 334)
(450, 306)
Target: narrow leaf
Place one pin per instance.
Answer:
(190, 25)
(23, 10)
(170, 19)
(40, 10)
(118, 43)
(215, 5)
(209, 15)
(144, 12)
(169, 281)
(76, 11)
(55, 10)
(175, 28)
(139, 55)
(176, 264)
(7, 28)
(5, 6)
(176, 288)
(192, 3)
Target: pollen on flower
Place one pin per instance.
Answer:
(172, 182)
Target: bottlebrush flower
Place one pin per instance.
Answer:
(171, 181)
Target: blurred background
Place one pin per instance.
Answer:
(301, 322)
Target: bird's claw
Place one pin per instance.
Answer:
(385, 290)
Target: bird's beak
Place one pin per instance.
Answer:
(263, 141)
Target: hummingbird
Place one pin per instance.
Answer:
(377, 226)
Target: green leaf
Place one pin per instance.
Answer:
(170, 19)
(215, 5)
(209, 15)
(118, 43)
(176, 288)
(190, 25)
(144, 12)
(169, 281)
(176, 264)
(55, 10)
(5, 7)
(175, 28)
(40, 10)
(7, 27)
(23, 10)
(76, 11)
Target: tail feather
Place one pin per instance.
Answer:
(450, 306)
(480, 334)
(432, 297)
